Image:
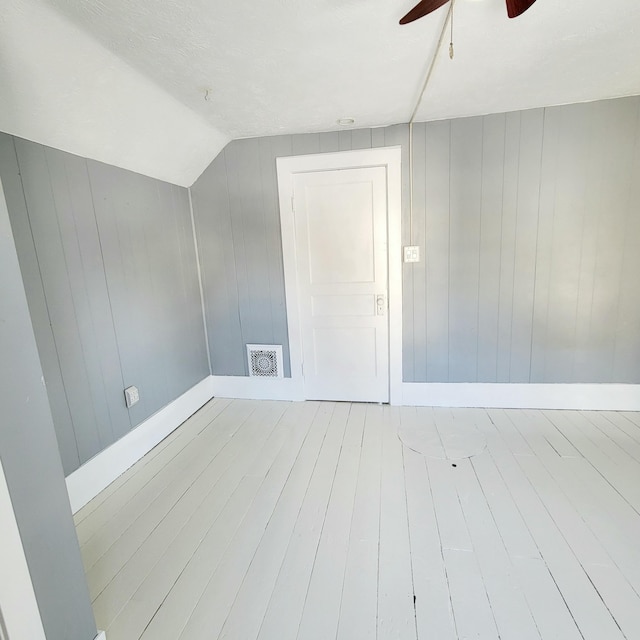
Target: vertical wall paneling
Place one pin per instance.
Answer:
(378, 137)
(546, 213)
(108, 261)
(236, 156)
(566, 247)
(346, 140)
(279, 146)
(310, 143)
(254, 232)
(273, 242)
(415, 305)
(85, 272)
(217, 264)
(151, 273)
(465, 185)
(186, 353)
(526, 238)
(398, 136)
(627, 347)
(584, 344)
(30, 269)
(118, 235)
(267, 205)
(617, 125)
(361, 139)
(436, 250)
(525, 221)
(330, 142)
(507, 245)
(493, 140)
(65, 322)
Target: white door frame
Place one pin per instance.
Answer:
(288, 167)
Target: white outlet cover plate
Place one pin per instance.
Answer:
(131, 396)
(412, 254)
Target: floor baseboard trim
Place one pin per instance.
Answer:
(249, 388)
(101, 636)
(92, 477)
(586, 397)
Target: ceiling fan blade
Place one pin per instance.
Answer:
(516, 8)
(422, 9)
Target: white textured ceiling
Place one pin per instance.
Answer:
(124, 81)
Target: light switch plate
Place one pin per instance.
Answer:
(412, 254)
(131, 396)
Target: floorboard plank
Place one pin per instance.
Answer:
(359, 605)
(322, 605)
(471, 608)
(624, 423)
(508, 603)
(434, 612)
(616, 434)
(504, 510)
(284, 610)
(553, 618)
(396, 610)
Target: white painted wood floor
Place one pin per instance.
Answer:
(277, 521)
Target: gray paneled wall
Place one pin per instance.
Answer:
(108, 261)
(528, 224)
(235, 204)
(32, 465)
(151, 270)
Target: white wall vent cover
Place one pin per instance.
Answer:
(265, 360)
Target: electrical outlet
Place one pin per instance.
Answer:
(131, 396)
(412, 254)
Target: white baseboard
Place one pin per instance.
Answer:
(257, 388)
(96, 474)
(101, 636)
(593, 397)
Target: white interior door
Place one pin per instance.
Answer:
(341, 263)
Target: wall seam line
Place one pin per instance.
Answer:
(106, 284)
(199, 270)
(225, 158)
(73, 305)
(535, 264)
(46, 303)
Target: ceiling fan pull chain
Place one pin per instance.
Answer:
(451, 42)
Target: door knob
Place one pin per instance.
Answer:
(380, 304)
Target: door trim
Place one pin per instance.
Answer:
(287, 168)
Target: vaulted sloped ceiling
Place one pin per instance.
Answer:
(61, 87)
(160, 86)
